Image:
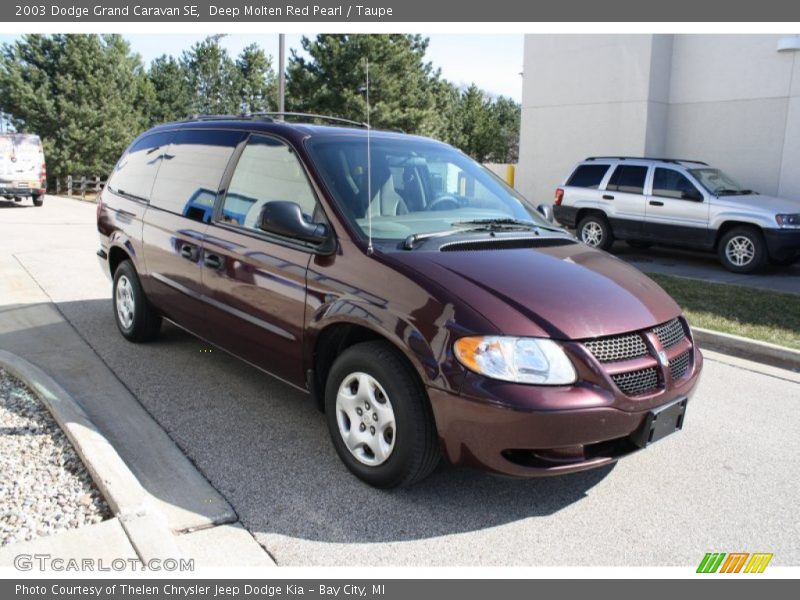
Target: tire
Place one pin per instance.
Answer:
(403, 448)
(742, 250)
(638, 244)
(135, 318)
(594, 230)
(38, 200)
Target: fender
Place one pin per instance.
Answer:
(430, 355)
(740, 216)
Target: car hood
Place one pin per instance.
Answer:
(565, 292)
(770, 204)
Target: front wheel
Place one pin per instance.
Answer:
(743, 250)
(595, 231)
(136, 319)
(379, 416)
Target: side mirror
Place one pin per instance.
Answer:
(286, 219)
(691, 195)
(546, 210)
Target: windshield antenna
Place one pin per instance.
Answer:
(370, 249)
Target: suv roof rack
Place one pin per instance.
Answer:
(666, 160)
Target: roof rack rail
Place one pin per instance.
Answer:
(199, 117)
(306, 115)
(667, 160)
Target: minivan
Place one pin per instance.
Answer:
(418, 299)
(22, 167)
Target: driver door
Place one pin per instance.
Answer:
(677, 210)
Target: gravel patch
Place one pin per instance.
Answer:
(44, 486)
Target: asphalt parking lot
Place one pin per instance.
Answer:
(706, 266)
(728, 482)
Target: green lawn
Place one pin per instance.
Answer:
(758, 314)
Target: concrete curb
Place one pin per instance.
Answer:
(145, 526)
(763, 352)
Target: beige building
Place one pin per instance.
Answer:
(730, 100)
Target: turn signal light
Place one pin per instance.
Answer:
(559, 197)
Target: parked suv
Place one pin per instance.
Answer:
(410, 292)
(680, 203)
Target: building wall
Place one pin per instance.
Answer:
(730, 100)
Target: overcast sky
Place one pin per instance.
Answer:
(493, 62)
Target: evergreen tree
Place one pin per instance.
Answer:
(332, 81)
(257, 81)
(213, 79)
(82, 94)
(173, 95)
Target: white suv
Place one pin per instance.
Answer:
(679, 203)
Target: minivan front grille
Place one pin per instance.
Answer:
(670, 333)
(637, 383)
(678, 366)
(621, 347)
(631, 346)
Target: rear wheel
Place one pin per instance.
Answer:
(594, 231)
(136, 319)
(38, 200)
(379, 416)
(742, 250)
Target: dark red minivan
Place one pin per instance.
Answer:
(421, 302)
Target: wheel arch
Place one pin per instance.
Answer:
(329, 338)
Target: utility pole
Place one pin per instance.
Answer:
(281, 73)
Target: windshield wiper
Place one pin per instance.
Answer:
(494, 224)
(408, 243)
(503, 224)
(731, 192)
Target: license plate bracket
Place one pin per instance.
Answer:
(661, 422)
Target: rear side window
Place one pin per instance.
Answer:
(627, 179)
(588, 176)
(136, 170)
(192, 170)
(672, 184)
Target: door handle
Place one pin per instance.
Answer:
(213, 261)
(608, 197)
(656, 203)
(189, 252)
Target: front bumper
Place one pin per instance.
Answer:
(782, 244)
(531, 442)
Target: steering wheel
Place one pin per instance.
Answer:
(447, 198)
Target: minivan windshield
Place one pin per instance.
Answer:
(417, 187)
(718, 183)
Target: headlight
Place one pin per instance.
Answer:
(522, 360)
(788, 221)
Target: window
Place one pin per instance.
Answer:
(671, 184)
(136, 170)
(627, 179)
(191, 172)
(267, 170)
(588, 176)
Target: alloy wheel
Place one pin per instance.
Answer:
(740, 250)
(592, 234)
